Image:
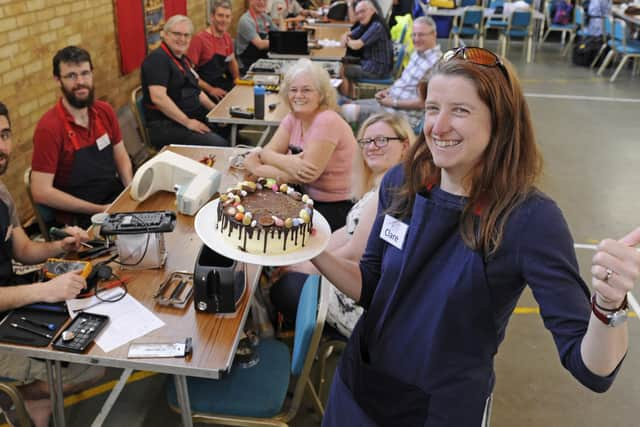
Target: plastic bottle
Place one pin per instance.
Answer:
(258, 102)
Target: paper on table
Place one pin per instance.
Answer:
(128, 319)
(329, 43)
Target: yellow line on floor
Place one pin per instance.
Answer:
(103, 388)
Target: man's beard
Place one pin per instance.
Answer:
(3, 167)
(75, 102)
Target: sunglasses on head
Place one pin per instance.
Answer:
(476, 56)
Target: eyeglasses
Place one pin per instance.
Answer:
(75, 76)
(378, 141)
(5, 134)
(306, 91)
(178, 35)
(476, 56)
(422, 34)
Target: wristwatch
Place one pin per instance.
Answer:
(613, 318)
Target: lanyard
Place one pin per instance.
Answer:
(255, 20)
(176, 61)
(70, 133)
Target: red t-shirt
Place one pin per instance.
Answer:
(204, 45)
(53, 151)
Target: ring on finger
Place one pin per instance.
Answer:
(608, 274)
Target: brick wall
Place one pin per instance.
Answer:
(31, 31)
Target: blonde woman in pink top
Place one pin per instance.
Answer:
(323, 167)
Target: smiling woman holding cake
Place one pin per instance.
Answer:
(323, 167)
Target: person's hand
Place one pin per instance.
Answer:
(345, 38)
(63, 287)
(217, 92)
(615, 269)
(252, 161)
(381, 94)
(304, 171)
(197, 126)
(76, 236)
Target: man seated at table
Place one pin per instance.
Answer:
(403, 97)
(371, 37)
(15, 293)
(284, 12)
(80, 164)
(175, 107)
(253, 30)
(211, 51)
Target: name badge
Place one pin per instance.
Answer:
(103, 142)
(228, 58)
(393, 231)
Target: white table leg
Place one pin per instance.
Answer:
(182, 393)
(113, 396)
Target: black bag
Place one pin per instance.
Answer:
(585, 51)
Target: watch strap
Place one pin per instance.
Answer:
(606, 315)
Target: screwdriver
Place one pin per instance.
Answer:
(49, 326)
(24, 328)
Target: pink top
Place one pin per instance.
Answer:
(327, 128)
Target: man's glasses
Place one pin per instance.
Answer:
(476, 56)
(378, 141)
(178, 35)
(75, 76)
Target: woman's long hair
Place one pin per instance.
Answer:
(362, 177)
(507, 170)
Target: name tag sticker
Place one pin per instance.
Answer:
(228, 58)
(393, 231)
(103, 142)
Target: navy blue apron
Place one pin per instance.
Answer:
(422, 355)
(6, 247)
(94, 176)
(216, 72)
(251, 54)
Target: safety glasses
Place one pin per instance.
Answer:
(476, 56)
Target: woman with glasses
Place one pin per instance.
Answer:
(460, 230)
(383, 139)
(322, 140)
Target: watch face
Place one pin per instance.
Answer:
(617, 318)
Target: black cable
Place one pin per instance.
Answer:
(116, 298)
(146, 245)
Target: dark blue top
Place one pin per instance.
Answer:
(377, 52)
(437, 311)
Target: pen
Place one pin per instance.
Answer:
(24, 328)
(49, 326)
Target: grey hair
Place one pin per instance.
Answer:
(426, 20)
(225, 4)
(176, 19)
(319, 76)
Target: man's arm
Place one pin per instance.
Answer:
(166, 105)
(262, 44)
(205, 101)
(123, 163)
(45, 193)
(234, 68)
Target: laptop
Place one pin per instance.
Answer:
(288, 42)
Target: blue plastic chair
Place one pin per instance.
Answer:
(495, 23)
(469, 26)
(580, 31)
(399, 51)
(559, 28)
(621, 46)
(607, 36)
(255, 396)
(518, 26)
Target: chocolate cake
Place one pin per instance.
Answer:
(265, 218)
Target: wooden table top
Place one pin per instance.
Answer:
(242, 96)
(215, 337)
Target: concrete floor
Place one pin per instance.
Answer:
(590, 137)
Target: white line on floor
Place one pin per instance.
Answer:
(581, 98)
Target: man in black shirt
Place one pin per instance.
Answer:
(175, 107)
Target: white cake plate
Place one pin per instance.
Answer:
(205, 224)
